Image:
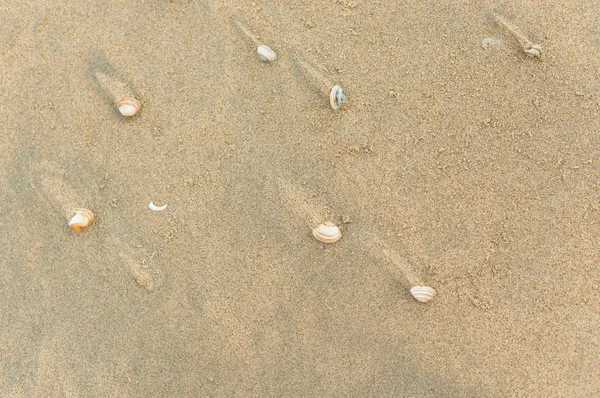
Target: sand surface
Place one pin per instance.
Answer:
(473, 170)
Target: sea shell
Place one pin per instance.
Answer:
(82, 218)
(337, 97)
(129, 106)
(154, 207)
(422, 293)
(266, 54)
(327, 232)
(534, 51)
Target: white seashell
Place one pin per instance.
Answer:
(327, 232)
(422, 293)
(154, 207)
(82, 218)
(337, 97)
(266, 54)
(129, 106)
(534, 51)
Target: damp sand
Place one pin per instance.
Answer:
(472, 169)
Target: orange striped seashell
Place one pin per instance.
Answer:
(82, 219)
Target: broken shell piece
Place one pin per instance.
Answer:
(82, 219)
(266, 54)
(534, 51)
(154, 207)
(422, 293)
(337, 97)
(327, 232)
(129, 106)
(490, 41)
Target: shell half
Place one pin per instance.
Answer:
(82, 219)
(154, 207)
(534, 51)
(337, 97)
(327, 232)
(129, 106)
(266, 54)
(422, 293)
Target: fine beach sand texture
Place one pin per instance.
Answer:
(474, 170)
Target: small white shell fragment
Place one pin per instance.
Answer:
(129, 106)
(82, 219)
(327, 232)
(154, 207)
(422, 293)
(534, 51)
(266, 54)
(337, 97)
(490, 41)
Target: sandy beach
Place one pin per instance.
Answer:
(459, 163)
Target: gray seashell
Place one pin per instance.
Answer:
(266, 54)
(327, 232)
(422, 293)
(337, 97)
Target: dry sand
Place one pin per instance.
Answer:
(475, 170)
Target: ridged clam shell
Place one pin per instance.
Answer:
(82, 219)
(337, 97)
(327, 232)
(129, 106)
(422, 293)
(266, 54)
